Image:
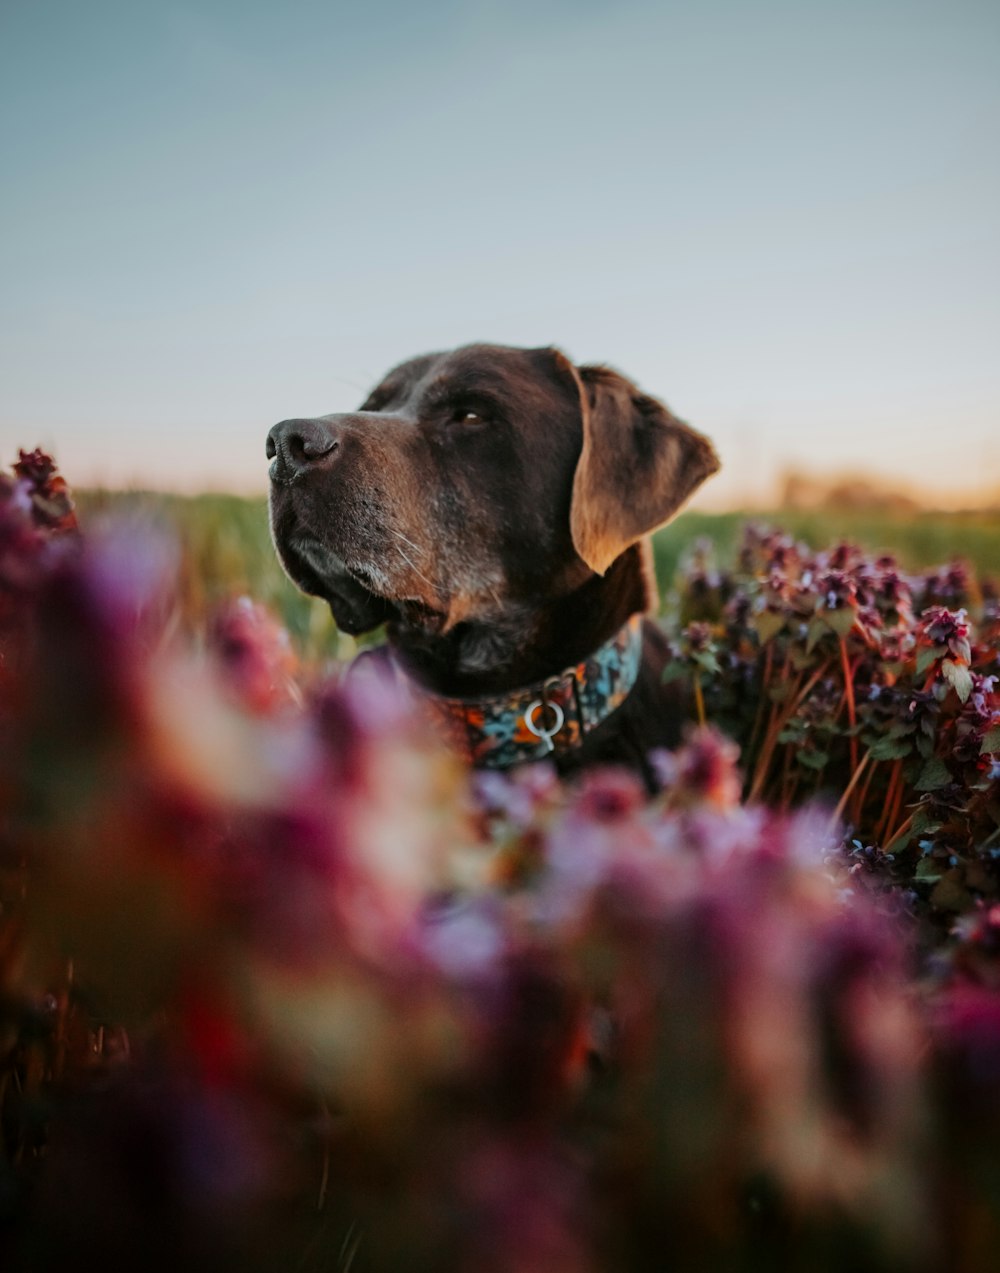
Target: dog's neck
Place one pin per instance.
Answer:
(524, 644)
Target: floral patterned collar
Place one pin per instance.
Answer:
(548, 718)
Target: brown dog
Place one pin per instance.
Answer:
(492, 505)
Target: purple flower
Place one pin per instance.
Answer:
(939, 626)
(706, 770)
(837, 589)
(255, 655)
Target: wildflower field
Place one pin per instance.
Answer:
(283, 987)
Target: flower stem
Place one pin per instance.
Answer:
(900, 831)
(845, 663)
(861, 798)
(779, 719)
(699, 699)
(859, 769)
(765, 682)
(890, 801)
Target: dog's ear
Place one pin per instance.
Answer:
(638, 465)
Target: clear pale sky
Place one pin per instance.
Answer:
(782, 218)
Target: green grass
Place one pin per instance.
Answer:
(918, 541)
(227, 549)
(226, 552)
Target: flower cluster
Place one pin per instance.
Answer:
(36, 513)
(281, 986)
(844, 678)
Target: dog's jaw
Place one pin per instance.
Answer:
(356, 608)
(521, 643)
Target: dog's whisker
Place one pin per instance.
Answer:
(414, 568)
(416, 547)
(353, 384)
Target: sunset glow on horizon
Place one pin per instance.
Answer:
(780, 219)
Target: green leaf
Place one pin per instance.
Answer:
(924, 824)
(992, 741)
(812, 759)
(923, 821)
(674, 671)
(841, 619)
(934, 774)
(925, 746)
(768, 624)
(891, 748)
(958, 677)
(927, 656)
(817, 630)
(928, 871)
(799, 658)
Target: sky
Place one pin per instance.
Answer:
(781, 218)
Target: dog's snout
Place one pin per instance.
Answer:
(296, 444)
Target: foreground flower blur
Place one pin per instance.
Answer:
(282, 986)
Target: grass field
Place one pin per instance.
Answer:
(919, 542)
(227, 548)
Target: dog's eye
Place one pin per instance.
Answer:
(462, 416)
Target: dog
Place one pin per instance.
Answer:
(492, 506)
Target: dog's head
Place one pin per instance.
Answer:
(472, 481)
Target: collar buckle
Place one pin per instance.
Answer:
(545, 733)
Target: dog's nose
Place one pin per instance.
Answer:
(295, 444)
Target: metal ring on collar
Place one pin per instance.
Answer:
(540, 731)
